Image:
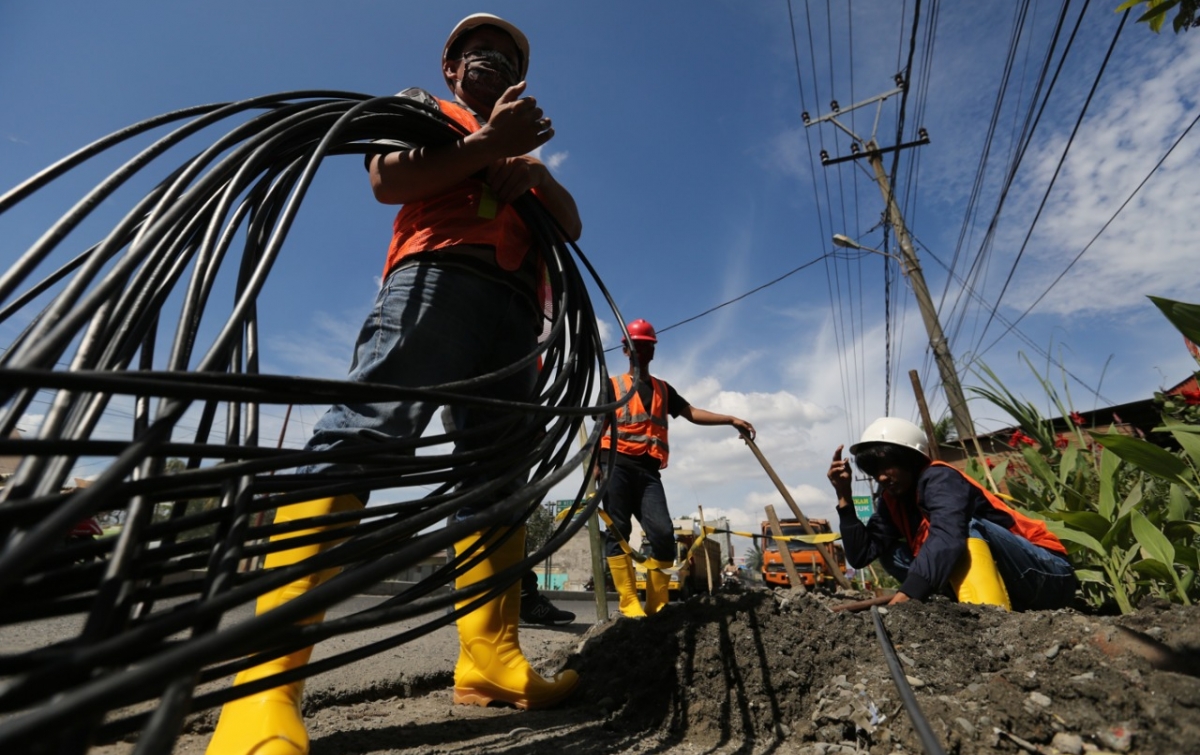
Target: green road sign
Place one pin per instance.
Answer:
(863, 507)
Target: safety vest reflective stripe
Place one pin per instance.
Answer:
(640, 431)
(624, 417)
(632, 438)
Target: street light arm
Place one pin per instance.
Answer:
(848, 243)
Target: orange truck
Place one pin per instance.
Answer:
(810, 566)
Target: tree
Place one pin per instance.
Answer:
(944, 432)
(1186, 17)
(162, 511)
(754, 559)
(539, 527)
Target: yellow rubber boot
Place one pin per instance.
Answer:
(976, 579)
(658, 585)
(491, 667)
(269, 723)
(621, 568)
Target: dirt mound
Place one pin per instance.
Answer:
(753, 666)
(754, 672)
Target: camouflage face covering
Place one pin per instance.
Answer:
(488, 73)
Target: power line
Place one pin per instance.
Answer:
(738, 298)
(1011, 326)
(978, 264)
(823, 234)
(1053, 179)
(1103, 228)
(1025, 140)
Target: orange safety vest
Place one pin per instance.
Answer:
(638, 431)
(466, 213)
(1031, 529)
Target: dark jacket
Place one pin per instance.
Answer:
(949, 501)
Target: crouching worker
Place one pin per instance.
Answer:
(937, 530)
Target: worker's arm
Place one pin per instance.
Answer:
(839, 477)
(515, 127)
(705, 417)
(863, 542)
(513, 176)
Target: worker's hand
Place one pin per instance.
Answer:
(517, 125)
(511, 177)
(899, 598)
(839, 475)
(744, 427)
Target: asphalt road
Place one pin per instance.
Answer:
(423, 662)
(432, 656)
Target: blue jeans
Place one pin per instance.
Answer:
(431, 325)
(1035, 578)
(633, 491)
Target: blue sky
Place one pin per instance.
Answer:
(679, 134)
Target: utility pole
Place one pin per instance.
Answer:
(870, 149)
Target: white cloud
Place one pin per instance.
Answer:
(1128, 130)
(556, 159)
(606, 331)
(323, 350)
(552, 160)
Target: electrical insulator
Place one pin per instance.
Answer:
(804, 117)
(824, 156)
(834, 106)
(854, 147)
(899, 79)
(922, 133)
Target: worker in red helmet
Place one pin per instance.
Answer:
(459, 299)
(635, 487)
(936, 530)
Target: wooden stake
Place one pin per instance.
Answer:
(830, 563)
(933, 452)
(930, 434)
(788, 564)
(705, 551)
(595, 539)
(881, 600)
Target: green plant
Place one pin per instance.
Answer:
(754, 559)
(1187, 16)
(1127, 510)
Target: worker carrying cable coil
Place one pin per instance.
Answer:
(634, 485)
(459, 300)
(938, 530)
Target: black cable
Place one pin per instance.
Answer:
(229, 207)
(920, 723)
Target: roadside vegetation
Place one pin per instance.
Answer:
(1126, 508)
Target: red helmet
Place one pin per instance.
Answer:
(640, 330)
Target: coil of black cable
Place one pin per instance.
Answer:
(98, 330)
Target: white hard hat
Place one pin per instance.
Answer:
(896, 431)
(487, 19)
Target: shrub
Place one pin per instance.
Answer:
(1127, 510)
